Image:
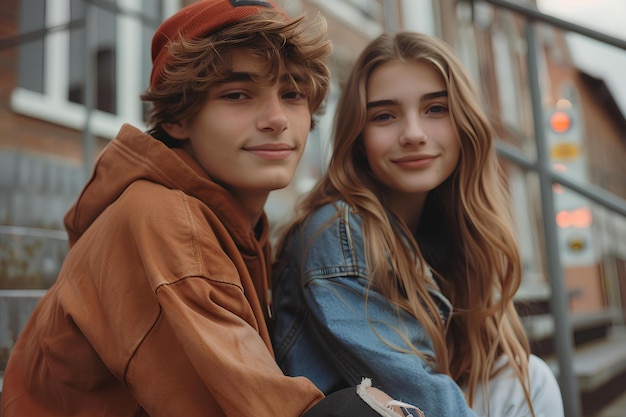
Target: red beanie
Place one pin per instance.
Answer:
(196, 20)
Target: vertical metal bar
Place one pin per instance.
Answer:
(563, 339)
(89, 87)
(390, 15)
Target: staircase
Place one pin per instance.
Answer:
(599, 354)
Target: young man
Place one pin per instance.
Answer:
(161, 306)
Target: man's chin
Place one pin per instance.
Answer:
(277, 181)
(279, 185)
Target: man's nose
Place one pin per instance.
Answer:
(273, 116)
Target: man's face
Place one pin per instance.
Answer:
(250, 137)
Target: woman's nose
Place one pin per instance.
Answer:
(413, 131)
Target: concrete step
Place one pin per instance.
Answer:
(616, 408)
(587, 327)
(600, 369)
(16, 307)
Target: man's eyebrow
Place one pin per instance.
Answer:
(247, 76)
(292, 77)
(236, 76)
(390, 102)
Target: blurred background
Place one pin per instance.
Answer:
(551, 73)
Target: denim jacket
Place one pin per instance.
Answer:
(328, 330)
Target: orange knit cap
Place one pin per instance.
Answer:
(196, 20)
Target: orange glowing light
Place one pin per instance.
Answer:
(560, 121)
(578, 218)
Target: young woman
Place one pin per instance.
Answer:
(403, 262)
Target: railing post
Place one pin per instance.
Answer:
(89, 89)
(563, 339)
(390, 15)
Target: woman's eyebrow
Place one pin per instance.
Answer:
(436, 94)
(391, 102)
(380, 103)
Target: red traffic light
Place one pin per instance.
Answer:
(560, 121)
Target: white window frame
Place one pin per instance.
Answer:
(505, 43)
(53, 104)
(350, 13)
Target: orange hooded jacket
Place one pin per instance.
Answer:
(159, 308)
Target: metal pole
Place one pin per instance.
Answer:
(563, 340)
(390, 15)
(89, 87)
(530, 12)
(591, 191)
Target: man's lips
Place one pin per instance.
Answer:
(271, 151)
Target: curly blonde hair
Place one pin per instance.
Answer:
(194, 66)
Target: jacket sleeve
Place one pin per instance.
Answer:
(366, 335)
(203, 348)
(229, 356)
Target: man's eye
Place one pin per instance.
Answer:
(235, 96)
(294, 95)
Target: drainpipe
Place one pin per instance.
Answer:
(91, 29)
(390, 15)
(419, 16)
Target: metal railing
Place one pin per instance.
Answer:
(563, 336)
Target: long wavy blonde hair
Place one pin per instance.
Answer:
(466, 231)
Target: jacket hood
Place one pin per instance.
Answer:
(134, 155)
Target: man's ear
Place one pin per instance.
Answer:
(176, 130)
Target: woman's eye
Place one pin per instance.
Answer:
(382, 117)
(437, 109)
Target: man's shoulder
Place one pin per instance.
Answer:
(151, 197)
(147, 203)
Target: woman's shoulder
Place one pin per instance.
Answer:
(334, 212)
(331, 224)
(334, 220)
(328, 242)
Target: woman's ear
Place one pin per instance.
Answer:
(176, 130)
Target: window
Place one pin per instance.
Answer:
(364, 16)
(91, 62)
(505, 43)
(368, 8)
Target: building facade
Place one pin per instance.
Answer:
(71, 73)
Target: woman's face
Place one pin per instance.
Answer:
(410, 142)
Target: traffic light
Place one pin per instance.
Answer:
(564, 135)
(560, 121)
(574, 217)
